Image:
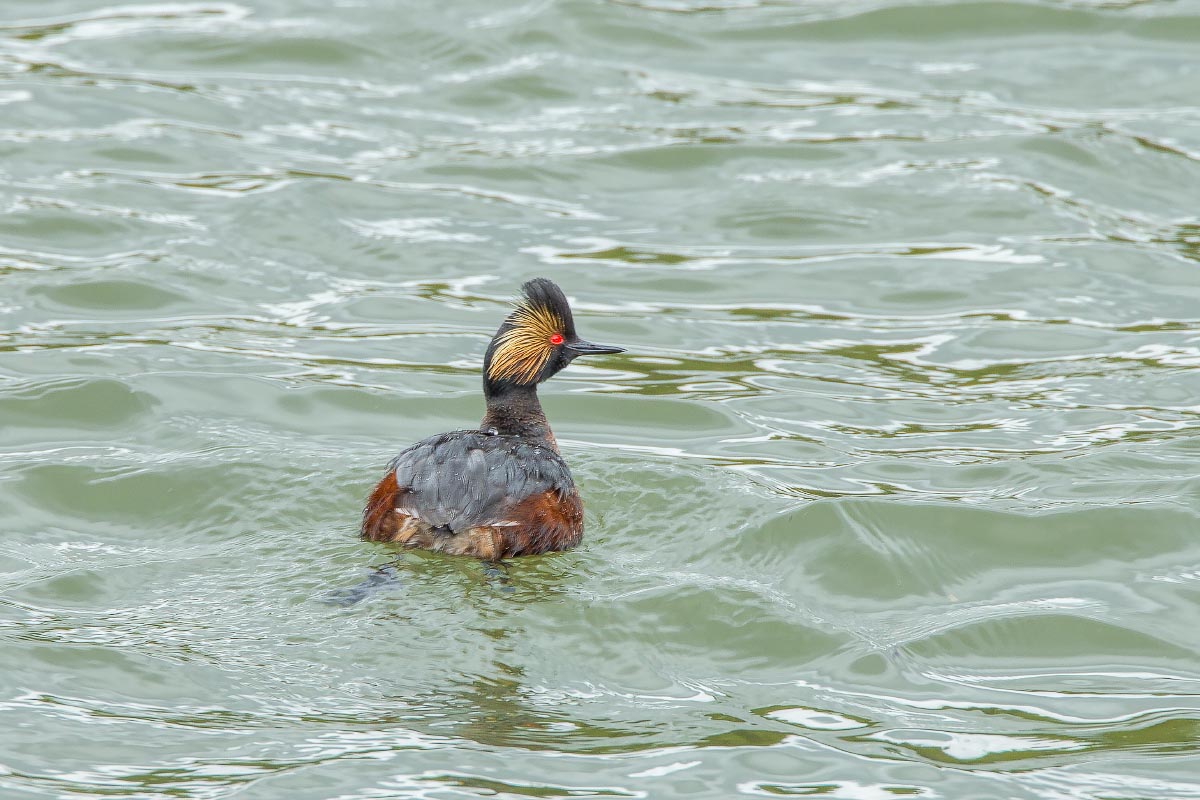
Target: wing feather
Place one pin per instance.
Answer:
(466, 479)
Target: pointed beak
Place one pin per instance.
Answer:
(582, 348)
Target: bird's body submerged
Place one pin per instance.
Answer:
(502, 490)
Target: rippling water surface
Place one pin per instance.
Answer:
(894, 494)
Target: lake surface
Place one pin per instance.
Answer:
(894, 493)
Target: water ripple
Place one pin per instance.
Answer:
(895, 482)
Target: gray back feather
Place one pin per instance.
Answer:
(463, 479)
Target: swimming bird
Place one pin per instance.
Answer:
(502, 490)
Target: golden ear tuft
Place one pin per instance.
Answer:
(523, 350)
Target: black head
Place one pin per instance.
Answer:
(537, 340)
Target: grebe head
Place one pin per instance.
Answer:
(537, 340)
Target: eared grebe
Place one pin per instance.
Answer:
(502, 490)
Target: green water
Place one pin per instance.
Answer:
(894, 493)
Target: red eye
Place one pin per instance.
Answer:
(556, 338)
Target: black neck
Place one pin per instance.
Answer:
(516, 411)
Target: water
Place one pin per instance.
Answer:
(894, 494)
